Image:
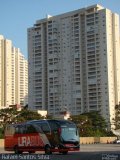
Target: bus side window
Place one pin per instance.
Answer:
(45, 128)
(31, 129)
(23, 129)
(10, 130)
(7, 129)
(20, 129)
(16, 130)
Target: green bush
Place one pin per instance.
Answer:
(1, 133)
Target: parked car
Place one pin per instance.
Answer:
(116, 141)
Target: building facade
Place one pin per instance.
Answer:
(13, 75)
(74, 62)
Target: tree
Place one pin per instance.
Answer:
(90, 124)
(49, 117)
(25, 115)
(82, 122)
(97, 120)
(7, 115)
(117, 116)
(11, 115)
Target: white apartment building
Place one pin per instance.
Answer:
(74, 62)
(13, 75)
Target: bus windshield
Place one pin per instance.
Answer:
(69, 134)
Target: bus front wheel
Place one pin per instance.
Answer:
(47, 149)
(31, 152)
(64, 152)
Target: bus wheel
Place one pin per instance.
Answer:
(47, 149)
(64, 152)
(31, 152)
(16, 150)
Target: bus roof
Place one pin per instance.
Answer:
(59, 122)
(51, 120)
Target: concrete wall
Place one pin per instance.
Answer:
(107, 139)
(92, 140)
(1, 143)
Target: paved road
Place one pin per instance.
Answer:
(88, 152)
(100, 148)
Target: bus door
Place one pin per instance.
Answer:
(46, 135)
(55, 133)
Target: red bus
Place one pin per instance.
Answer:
(42, 135)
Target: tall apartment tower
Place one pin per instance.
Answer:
(13, 75)
(74, 62)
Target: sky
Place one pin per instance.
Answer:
(18, 15)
